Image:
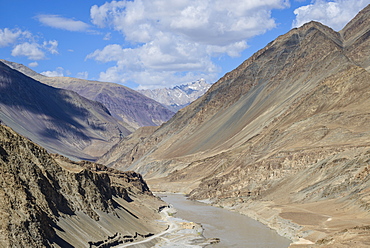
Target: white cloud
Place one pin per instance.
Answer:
(33, 64)
(57, 73)
(83, 75)
(26, 44)
(107, 36)
(177, 39)
(101, 14)
(51, 46)
(30, 50)
(8, 36)
(335, 14)
(35, 51)
(56, 21)
(112, 52)
(213, 22)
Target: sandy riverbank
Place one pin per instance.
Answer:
(180, 233)
(327, 223)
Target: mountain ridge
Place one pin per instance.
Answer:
(283, 135)
(60, 120)
(178, 97)
(133, 109)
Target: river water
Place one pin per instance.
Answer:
(233, 229)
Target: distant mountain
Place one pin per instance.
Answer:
(50, 201)
(179, 96)
(60, 120)
(283, 138)
(123, 103)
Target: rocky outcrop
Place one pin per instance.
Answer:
(283, 138)
(41, 196)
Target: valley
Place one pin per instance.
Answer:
(283, 136)
(283, 139)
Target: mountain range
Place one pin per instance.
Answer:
(134, 110)
(60, 120)
(283, 138)
(179, 96)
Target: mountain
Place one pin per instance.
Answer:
(50, 201)
(179, 96)
(123, 103)
(283, 138)
(60, 120)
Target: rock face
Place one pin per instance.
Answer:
(133, 109)
(283, 138)
(50, 201)
(180, 96)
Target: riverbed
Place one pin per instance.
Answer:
(233, 229)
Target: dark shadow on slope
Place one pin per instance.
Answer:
(61, 242)
(60, 107)
(117, 205)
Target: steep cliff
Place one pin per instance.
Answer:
(50, 201)
(285, 137)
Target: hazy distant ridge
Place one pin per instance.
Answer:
(179, 96)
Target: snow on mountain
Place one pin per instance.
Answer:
(179, 96)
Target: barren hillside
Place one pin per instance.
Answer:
(284, 138)
(133, 109)
(50, 201)
(60, 120)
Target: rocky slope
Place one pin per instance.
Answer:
(60, 120)
(50, 201)
(180, 96)
(126, 105)
(284, 138)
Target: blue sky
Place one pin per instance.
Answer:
(152, 43)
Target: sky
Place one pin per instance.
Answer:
(147, 44)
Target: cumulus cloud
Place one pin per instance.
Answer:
(176, 40)
(33, 64)
(56, 21)
(107, 36)
(57, 73)
(30, 50)
(26, 44)
(111, 52)
(83, 75)
(35, 51)
(335, 14)
(9, 37)
(51, 46)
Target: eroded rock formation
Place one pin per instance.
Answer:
(50, 201)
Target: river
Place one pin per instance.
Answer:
(233, 229)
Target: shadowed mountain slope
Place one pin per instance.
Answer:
(285, 134)
(123, 103)
(60, 120)
(50, 201)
